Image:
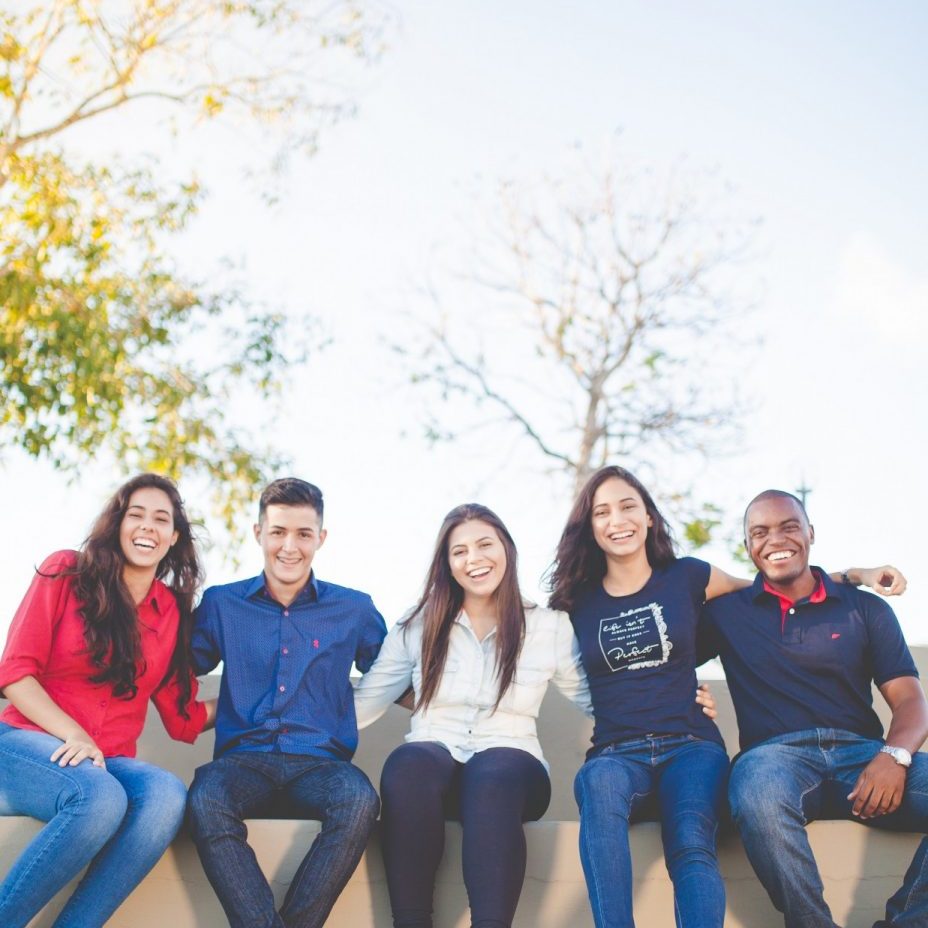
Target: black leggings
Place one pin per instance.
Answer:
(492, 794)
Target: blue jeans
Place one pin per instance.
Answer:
(681, 780)
(782, 784)
(253, 784)
(119, 821)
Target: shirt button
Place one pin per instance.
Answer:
(792, 612)
(285, 651)
(282, 688)
(103, 704)
(286, 612)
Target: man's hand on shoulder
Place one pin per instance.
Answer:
(879, 788)
(886, 580)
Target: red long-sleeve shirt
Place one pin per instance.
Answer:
(46, 641)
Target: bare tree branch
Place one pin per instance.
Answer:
(610, 288)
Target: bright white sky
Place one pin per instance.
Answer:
(814, 112)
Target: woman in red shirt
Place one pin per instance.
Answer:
(98, 634)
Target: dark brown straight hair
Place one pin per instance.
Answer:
(110, 616)
(580, 562)
(442, 600)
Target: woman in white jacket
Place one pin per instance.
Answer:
(479, 659)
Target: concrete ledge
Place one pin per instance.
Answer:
(177, 893)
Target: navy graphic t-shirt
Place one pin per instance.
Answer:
(639, 653)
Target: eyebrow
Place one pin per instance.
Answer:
(300, 528)
(166, 512)
(793, 520)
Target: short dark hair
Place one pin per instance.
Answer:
(773, 494)
(290, 491)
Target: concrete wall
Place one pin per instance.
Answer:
(177, 894)
(861, 867)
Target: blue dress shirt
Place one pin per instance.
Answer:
(285, 682)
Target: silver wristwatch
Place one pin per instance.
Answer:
(900, 755)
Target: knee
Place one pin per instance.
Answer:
(353, 797)
(101, 799)
(166, 796)
(760, 794)
(601, 785)
(410, 770)
(689, 838)
(207, 801)
(368, 802)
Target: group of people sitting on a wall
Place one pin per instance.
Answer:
(103, 630)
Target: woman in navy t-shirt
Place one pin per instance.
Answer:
(634, 607)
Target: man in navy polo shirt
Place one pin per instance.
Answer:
(800, 652)
(285, 723)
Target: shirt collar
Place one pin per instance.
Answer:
(257, 586)
(158, 598)
(824, 587)
(155, 606)
(464, 619)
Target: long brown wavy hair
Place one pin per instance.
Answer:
(580, 562)
(442, 600)
(110, 616)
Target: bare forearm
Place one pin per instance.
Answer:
(31, 699)
(210, 713)
(886, 580)
(909, 726)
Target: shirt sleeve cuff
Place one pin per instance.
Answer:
(191, 728)
(12, 671)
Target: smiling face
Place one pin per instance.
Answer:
(620, 519)
(778, 537)
(146, 532)
(477, 558)
(289, 536)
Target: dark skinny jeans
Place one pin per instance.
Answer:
(491, 795)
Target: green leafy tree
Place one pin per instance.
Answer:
(106, 347)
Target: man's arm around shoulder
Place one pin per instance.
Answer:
(204, 644)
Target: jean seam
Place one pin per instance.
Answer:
(55, 835)
(802, 796)
(594, 866)
(912, 886)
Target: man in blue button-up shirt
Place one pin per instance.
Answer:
(285, 725)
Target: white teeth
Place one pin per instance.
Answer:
(779, 555)
(478, 573)
(142, 543)
(620, 536)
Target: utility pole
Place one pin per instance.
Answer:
(802, 491)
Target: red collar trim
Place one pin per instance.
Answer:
(819, 595)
